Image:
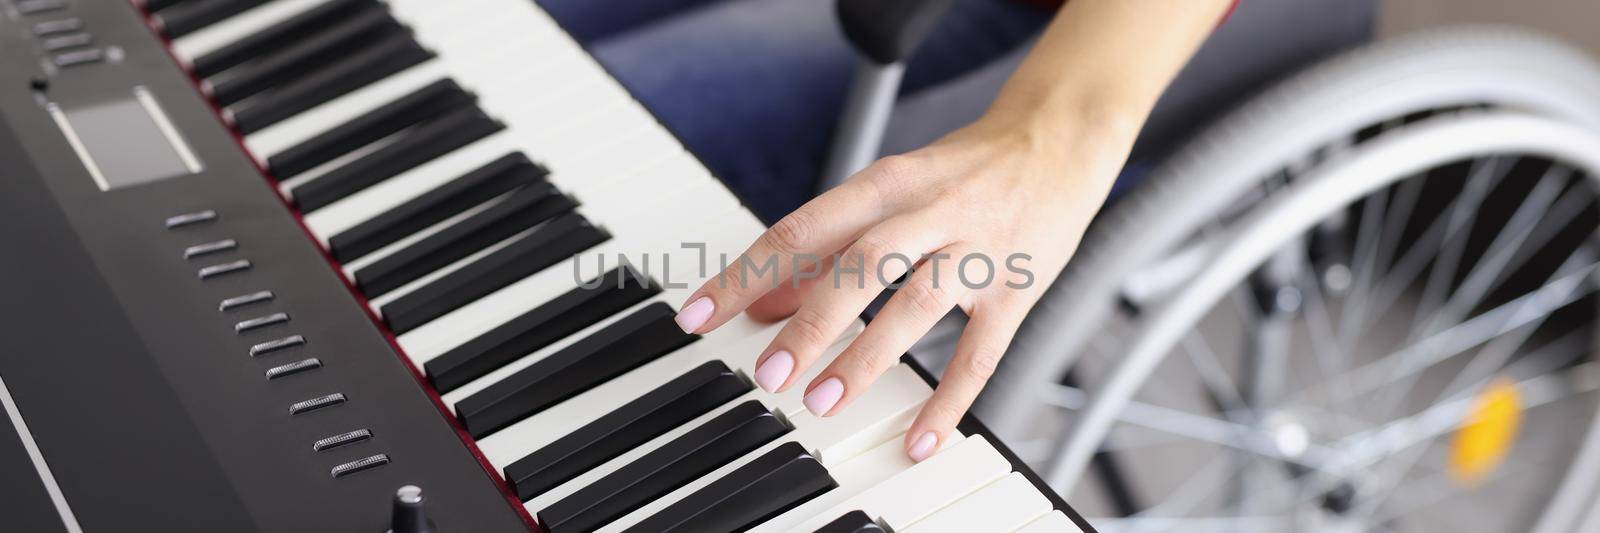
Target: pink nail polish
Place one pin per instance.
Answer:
(923, 447)
(695, 314)
(772, 373)
(821, 399)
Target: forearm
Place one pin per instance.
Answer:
(1102, 64)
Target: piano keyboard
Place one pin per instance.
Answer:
(464, 163)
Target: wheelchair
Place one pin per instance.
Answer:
(1363, 300)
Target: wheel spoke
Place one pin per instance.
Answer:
(1536, 305)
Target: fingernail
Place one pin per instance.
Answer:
(923, 447)
(695, 315)
(772, 373)
(821, 399)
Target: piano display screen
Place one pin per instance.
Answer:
(125, 142)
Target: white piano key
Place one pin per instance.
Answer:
(960, 468)
(874, 416)
(632, 240)
(349, 268)
(881, 413)
(556, 494)
(385, 195)
(287, 184)
(854, 476)
(532, 433)
(737, 344)
(1053, 522)
(1004, 505)
(627, 237)
(227, 31)
(547, 285)
(312, 122)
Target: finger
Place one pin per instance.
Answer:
(883, 254)
(822, 225)
(930, 293)
(987, 336)
(785, 300)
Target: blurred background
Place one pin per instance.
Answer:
(1573, 20)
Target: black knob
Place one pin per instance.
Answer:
(409, 516)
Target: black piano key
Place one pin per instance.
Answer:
(554, 320)
(777, 481)
(494, 179)
(376, 61)
(310, 53)
(185, 19)
(546, 245)
(523, 209)
(852, 522)
(436, 99)
(696, 453)
(674, 404)
(283, 34)
(158, 5)
(637, 339)
(425, 142)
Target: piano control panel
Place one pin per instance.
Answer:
(281, 265)
(182, 356)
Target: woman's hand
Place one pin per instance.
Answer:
(989, 192)
(1025, 179)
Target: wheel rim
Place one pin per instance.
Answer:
(1249, 243)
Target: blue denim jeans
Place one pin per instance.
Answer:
(754, 87)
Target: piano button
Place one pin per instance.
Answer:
(647, 417)
(782, 478)
(185, 19)
(320, 402)
(260, 322)
(34, 7)
(190, 219)
(342, 439)
(527, 333)
(245, 299)
(262, 31)
(372, 63)
(359, 465)
(224, 268)
(78, 57)
(209, 248)
(923, 488)
(297, 367)
(522, 209)
(489, 181)
(1052, 522)
(543, 246)
(63, 42)
(426, 141)
(308, 54)
(274, 345)
(851, 522)
(52, 27)
(730, 435)
(1004, 505)
(640, 338)
(302, 126)
(437, 98)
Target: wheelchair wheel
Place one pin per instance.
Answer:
(1362, 302)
